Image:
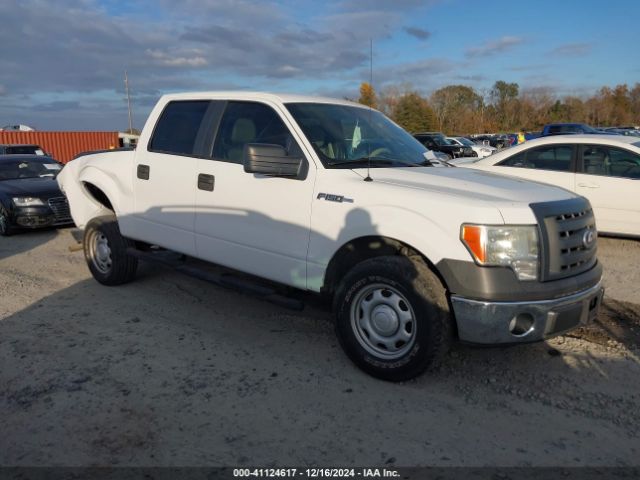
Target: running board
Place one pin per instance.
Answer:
(225, 280)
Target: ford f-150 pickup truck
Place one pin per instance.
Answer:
(332, 197)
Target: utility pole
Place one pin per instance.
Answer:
(126, 86)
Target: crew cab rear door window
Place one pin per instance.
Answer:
(179, 130)
(250, 122)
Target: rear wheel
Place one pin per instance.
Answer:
(392, 317)
(105, 251)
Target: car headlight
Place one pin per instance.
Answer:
(27, 201)
(485, 150)
(515, 247)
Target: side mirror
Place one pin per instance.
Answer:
(268, 159)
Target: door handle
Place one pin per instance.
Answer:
(143, 171)
(589, 185)
(206, 182)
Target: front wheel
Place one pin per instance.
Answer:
(5, 225)
(105, 250)
(392, 317)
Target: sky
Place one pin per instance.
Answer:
(62, 63)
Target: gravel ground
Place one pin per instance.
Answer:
(169, 370)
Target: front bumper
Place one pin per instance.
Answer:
(491, 323)
(40, 216)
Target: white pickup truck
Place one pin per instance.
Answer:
(331, 197)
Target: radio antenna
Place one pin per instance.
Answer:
(368, 178)
(126, 87)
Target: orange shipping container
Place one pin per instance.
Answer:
(63, 146)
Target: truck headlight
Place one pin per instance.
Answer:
(515, 247)
(26, 201)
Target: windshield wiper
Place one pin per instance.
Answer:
(364, 162)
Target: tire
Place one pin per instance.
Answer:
(5, 225)
(105, 251)
(392, 317)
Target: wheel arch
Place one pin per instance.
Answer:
(363, 248)
(93, 193)
(98, 195)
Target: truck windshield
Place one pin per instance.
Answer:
(352, 137)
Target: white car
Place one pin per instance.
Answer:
(603, 168)
(481, 150)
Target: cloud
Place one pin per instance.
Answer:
(418, 33)
(572, 49)
(396, 5)
(56, 106)
(528, 68)
(81, 48)
(423, 72)
(493, 47)
(168, 59)
(471, 78)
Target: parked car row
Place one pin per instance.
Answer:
(437, 142)
(480, 150)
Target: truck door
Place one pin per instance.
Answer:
(165, 179)
(254, 223)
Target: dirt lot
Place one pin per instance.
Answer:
(172, 371)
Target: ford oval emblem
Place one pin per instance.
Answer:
(588, 239)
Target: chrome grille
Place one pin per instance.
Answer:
(568, 237)
(60, 208)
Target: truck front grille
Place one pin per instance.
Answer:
(60, 208)
(568, 237)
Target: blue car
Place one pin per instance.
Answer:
(569, 128)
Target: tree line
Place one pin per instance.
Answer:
(460, 109)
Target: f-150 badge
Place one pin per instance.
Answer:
(330, 197)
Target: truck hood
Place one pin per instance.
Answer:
(469, 184)
(510, 195)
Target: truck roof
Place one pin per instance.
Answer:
(266, 96)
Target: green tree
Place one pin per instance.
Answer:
(413, 113)
(634, 101)
(457, 108)
(504, 97)
(502, 92)
(368, 95)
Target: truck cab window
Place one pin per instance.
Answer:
(178, 127)
(250, 122)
